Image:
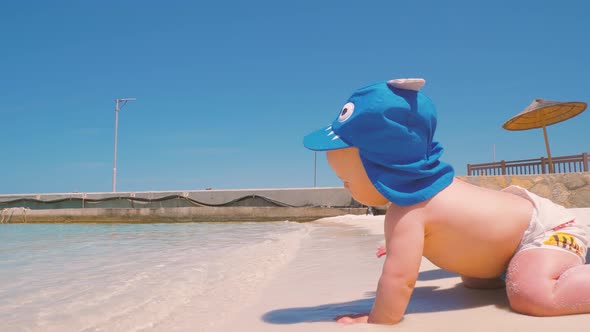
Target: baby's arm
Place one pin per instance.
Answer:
(404, 242)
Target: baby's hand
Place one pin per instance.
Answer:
(353, 319)
(380, 251)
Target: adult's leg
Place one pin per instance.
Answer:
(548, 282)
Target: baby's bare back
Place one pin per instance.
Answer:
(474, 231)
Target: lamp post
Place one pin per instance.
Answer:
(315, 166)
(119, 103)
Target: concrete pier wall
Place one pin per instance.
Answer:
(571, 190)
(295, 197)
(179, 206)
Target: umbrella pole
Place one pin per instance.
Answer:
(548, 150)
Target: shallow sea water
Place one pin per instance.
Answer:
(137, 277)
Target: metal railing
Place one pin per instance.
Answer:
(565, 164)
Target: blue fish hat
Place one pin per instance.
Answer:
(392, 124)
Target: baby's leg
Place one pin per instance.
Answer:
(548, 282)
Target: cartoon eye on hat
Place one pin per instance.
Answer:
(346, 112)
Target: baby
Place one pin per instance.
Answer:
(381, 146)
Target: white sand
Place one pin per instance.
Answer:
(336, 272)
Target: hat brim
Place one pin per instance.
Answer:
(323, 140)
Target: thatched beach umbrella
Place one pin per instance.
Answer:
(541, 113)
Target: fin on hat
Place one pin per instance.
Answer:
(413, 84)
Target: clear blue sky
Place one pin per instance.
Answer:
(226, 90)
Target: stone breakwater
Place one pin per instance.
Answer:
(571, 190)
(166, 215)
